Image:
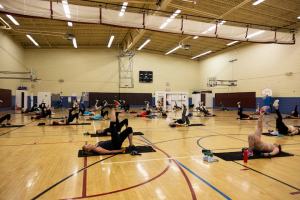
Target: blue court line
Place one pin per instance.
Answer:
(204, 181)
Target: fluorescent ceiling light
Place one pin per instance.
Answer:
(298, 17)
(74, 42)
(1, 7)
(123, 8)
(32, 40)
(171, 18)
(110, 41)
(144, 44)
(202, 54)
(66, 8)
(13, 20)
(255, 34)
(258, 2)
(179, 46)
(232, 43)
(70, 24)
(1, 19)
(195, 37)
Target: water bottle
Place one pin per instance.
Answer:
(245, 155)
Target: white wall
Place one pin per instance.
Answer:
(258, 66)
(97, 70)
(11, 59)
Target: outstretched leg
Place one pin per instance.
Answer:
(280, 126)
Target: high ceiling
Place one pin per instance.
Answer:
(52, 33)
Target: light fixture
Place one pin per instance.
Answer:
(74, 42)
(32, 40)
(298, 17)
(255, 34)
(111, 39)
(171, 51)
(195, 37)
(202, 54)
(66, 8)
(1, 19)
(258, 2)
(123, 8)
(13, 20)
(232, 43)
(144, 44)
(170, 19)
(70, 24)
(1, 7)
(213, 27)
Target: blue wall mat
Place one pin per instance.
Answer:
(190, 101)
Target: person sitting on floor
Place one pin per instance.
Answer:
(184, 121)
(160, 109)
(203, 109)
(256, 145)
(281, 128)
(114, 145)
(44, 111)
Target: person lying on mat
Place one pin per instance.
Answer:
(294, 114)
(147, 112)
(114, 145)
(184, 121)
(73, 114)
(6, 117)
(256, 145)
(203, 109)
(119, 125)
(44, 111)
(161, 109)
(241, 114)
(281, 128)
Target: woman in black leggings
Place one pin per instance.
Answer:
(119, 126)
(115, 143)
(280, 126)
(241, 114)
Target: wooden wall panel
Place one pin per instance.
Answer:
(5, 96)
(247, 99)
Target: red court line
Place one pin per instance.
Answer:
(181, 170)
(124, 189)
(293, 193)
(84, 177)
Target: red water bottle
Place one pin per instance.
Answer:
(245, 155)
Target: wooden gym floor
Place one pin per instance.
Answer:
(41, 162)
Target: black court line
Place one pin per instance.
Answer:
(15, 129)
(271, 177)
(62, 180)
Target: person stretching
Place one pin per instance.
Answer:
(184, 118)
(241, 114)
(256, 145)
(281, 128)
(114, 145)
(119, 126)
(6, 117)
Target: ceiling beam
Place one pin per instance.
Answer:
(132, 39)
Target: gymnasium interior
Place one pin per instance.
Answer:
(149, 99)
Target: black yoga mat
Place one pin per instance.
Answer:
(97, 135)
(231, 156)
(43, 124)
(248, 119)
(11, 126)
(196, 125)
(139, 149)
